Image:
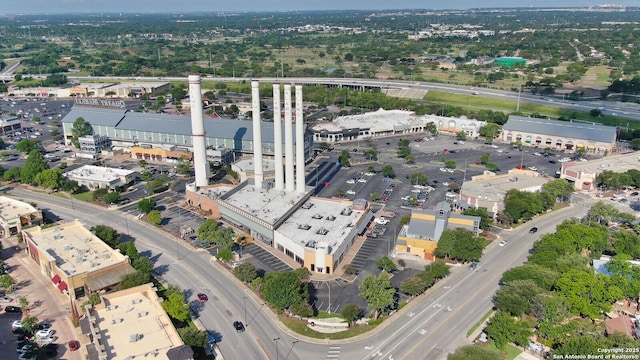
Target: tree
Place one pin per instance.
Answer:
(184, 166)
(225, 254)
(134, 279)
(27, 146)
(111, 197)
(50, 179)
(387, 171)
(485, 219)
(601, 213)
(475, 352)
(349, 269)
(543, 277)
(460, 244)
(175, 304)
(245, 272)
(284, 289)
(413, 286)
(146, 205)
(107, 234)
(80, 128)
(503, 329)
(378, 292)
(154, 217)
(30, 323)
(450, 164)
(516, 296)
(351, 313)
(461, 135)
(34, 165)
(587, 293)
(419, 179)
(559, 189)
(7, 282)
(143, 264)
(484, 159)
(192, 336)
(386, 264)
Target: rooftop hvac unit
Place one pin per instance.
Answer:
(143, 314)
(136, 301)
(112, 307)
(117, 320)
(135, 337)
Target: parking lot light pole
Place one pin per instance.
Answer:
(277, 355)
(244, 299)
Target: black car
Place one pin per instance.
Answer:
(13, 309)
(44, 325)
(238, 326)
(51, 346)
(50, 352)
(533, 230)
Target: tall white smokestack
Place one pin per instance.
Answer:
(200, 163)
(277, 138)
(300, 178)
(257, 134)
(288, 139)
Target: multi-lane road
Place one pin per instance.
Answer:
(428, 329)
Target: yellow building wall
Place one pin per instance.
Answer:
(458, 221)
(328, 260)
(427, 217)
(418, 247)
(309, 258)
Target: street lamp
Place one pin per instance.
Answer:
(244, 299)
(276, 340)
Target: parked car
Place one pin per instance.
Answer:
(203, 297)
(45, 333)
(381, 220)
(74, 345)
(13, 309)
(5, 299)
(16, 324)
(503, 243)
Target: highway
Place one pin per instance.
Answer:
(623, 109)
(428, 329)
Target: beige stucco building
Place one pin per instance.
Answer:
(132, 324)
(16, 215)
(584, 173)
(77, 262)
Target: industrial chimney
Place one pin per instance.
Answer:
(277, 138)
(300, 178)
(200, 163)
(257, 135)
(288, 139)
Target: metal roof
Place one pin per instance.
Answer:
(95, 116)
(560, 128)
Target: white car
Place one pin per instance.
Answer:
(351, 192)
(533, 168)
(351, 181)
(47, 340)
(494, 146)
(369, 173)
(450, 170)
(445, 184)
(362, 180)
(499, 150)
(503, 243)
(537, 154)
(16, 324)
(381, 220)
(44, 333)
(5, 299)
(443, 169)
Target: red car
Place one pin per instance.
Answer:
(203, 297)
(520, 167)
(74, 345)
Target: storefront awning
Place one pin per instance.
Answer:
(580, 145)
(62, 286)
(56, 279)
(591, 147)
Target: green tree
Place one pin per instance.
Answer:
(146, 205)
(50, 179)
(386, 264)
(245, 272)
(349, 269)
(27, 146)
(378, 292)
(587, 293)
(351, 313)
(34, 165)
(484, 159)
(559, 189)
(30, 323)
(7, 282)
(485, 219)
(225, 254)
(582, 344)
(419, 179)
(450, 164)
(405, 219)
(143, 264)
(503, 329)
(111, 197)
(80, 128)
(461, 135)
(387, 171)
(12, 174)
(460, 244)
(543, 277)
(475, 352)
(134, 279)
(107, 234)
(516, 296)
(413, 286)
(94, 299)
(184, 166)
(602, 213)
(175, 304)
(192, 336)
(154, 217)
(284, 289)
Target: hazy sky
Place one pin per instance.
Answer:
(175, 6)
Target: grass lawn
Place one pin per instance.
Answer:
(301, 328)
(326, 315)
(480, 322)
(85, 196)
(510, 351)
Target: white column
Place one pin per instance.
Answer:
(198, 134)
(300, 178)
(288, 139)
(257, 135)
(277, 138)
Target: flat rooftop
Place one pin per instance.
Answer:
(382, 119)
(215, 192)
(98, 173)
(617, 163)
(133, 324)
(495, 187)
(267, 205)
(321, 220)
(12, 208)
(249, 164)
(75, 249)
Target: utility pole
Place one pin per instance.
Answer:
(519, 91)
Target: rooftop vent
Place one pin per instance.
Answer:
(322, 231)
(112, 307)
(135, 337)
(331, 218)
(136, 301)
(346, 212)
(307, 205)
(117, 320)
(143, 314)
(304, 226)
(317, 216)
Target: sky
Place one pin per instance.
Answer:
(180, 6)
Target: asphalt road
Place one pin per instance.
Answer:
(429, 329)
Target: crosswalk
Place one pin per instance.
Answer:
(333, 353)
